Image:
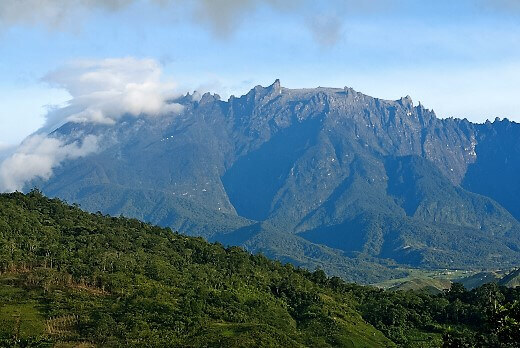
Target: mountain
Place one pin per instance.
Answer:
(324, 177)
(73, 279)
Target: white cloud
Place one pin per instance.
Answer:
(3, 146)
(5, 150)
(105, 90)
(102, 92)
(38, 156)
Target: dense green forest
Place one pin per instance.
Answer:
(70, 278)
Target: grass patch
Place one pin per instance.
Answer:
(21, 320)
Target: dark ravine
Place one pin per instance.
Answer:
(323, 177)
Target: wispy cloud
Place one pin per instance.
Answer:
(102, 92)
(223, 16)
(38, 156)
(5, 150)
(505, 5)
(54, 14)
(3, 146)
(220, 17)
(105, 90)
(325, 28)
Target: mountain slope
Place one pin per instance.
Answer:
(495, 172)
(323, 177)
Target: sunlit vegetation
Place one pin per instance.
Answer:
(71, 278)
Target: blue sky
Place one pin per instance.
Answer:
(460, 57)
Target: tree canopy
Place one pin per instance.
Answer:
(71, 277)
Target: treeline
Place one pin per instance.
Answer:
(488, 316)
(125, 282)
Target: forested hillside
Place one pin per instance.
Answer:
(68, 277)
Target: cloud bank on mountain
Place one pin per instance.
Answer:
(102, 92)
(38, 156)
(105, 90)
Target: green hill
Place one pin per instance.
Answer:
(479, 279)
(512, 279)
(508, 279)
(112, 280)
(431, 285)
(70, 278)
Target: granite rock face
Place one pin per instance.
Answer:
(321, 177)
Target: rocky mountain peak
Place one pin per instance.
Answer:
(295, 171)
(275, 87)
(406, 102)
(209, 98)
